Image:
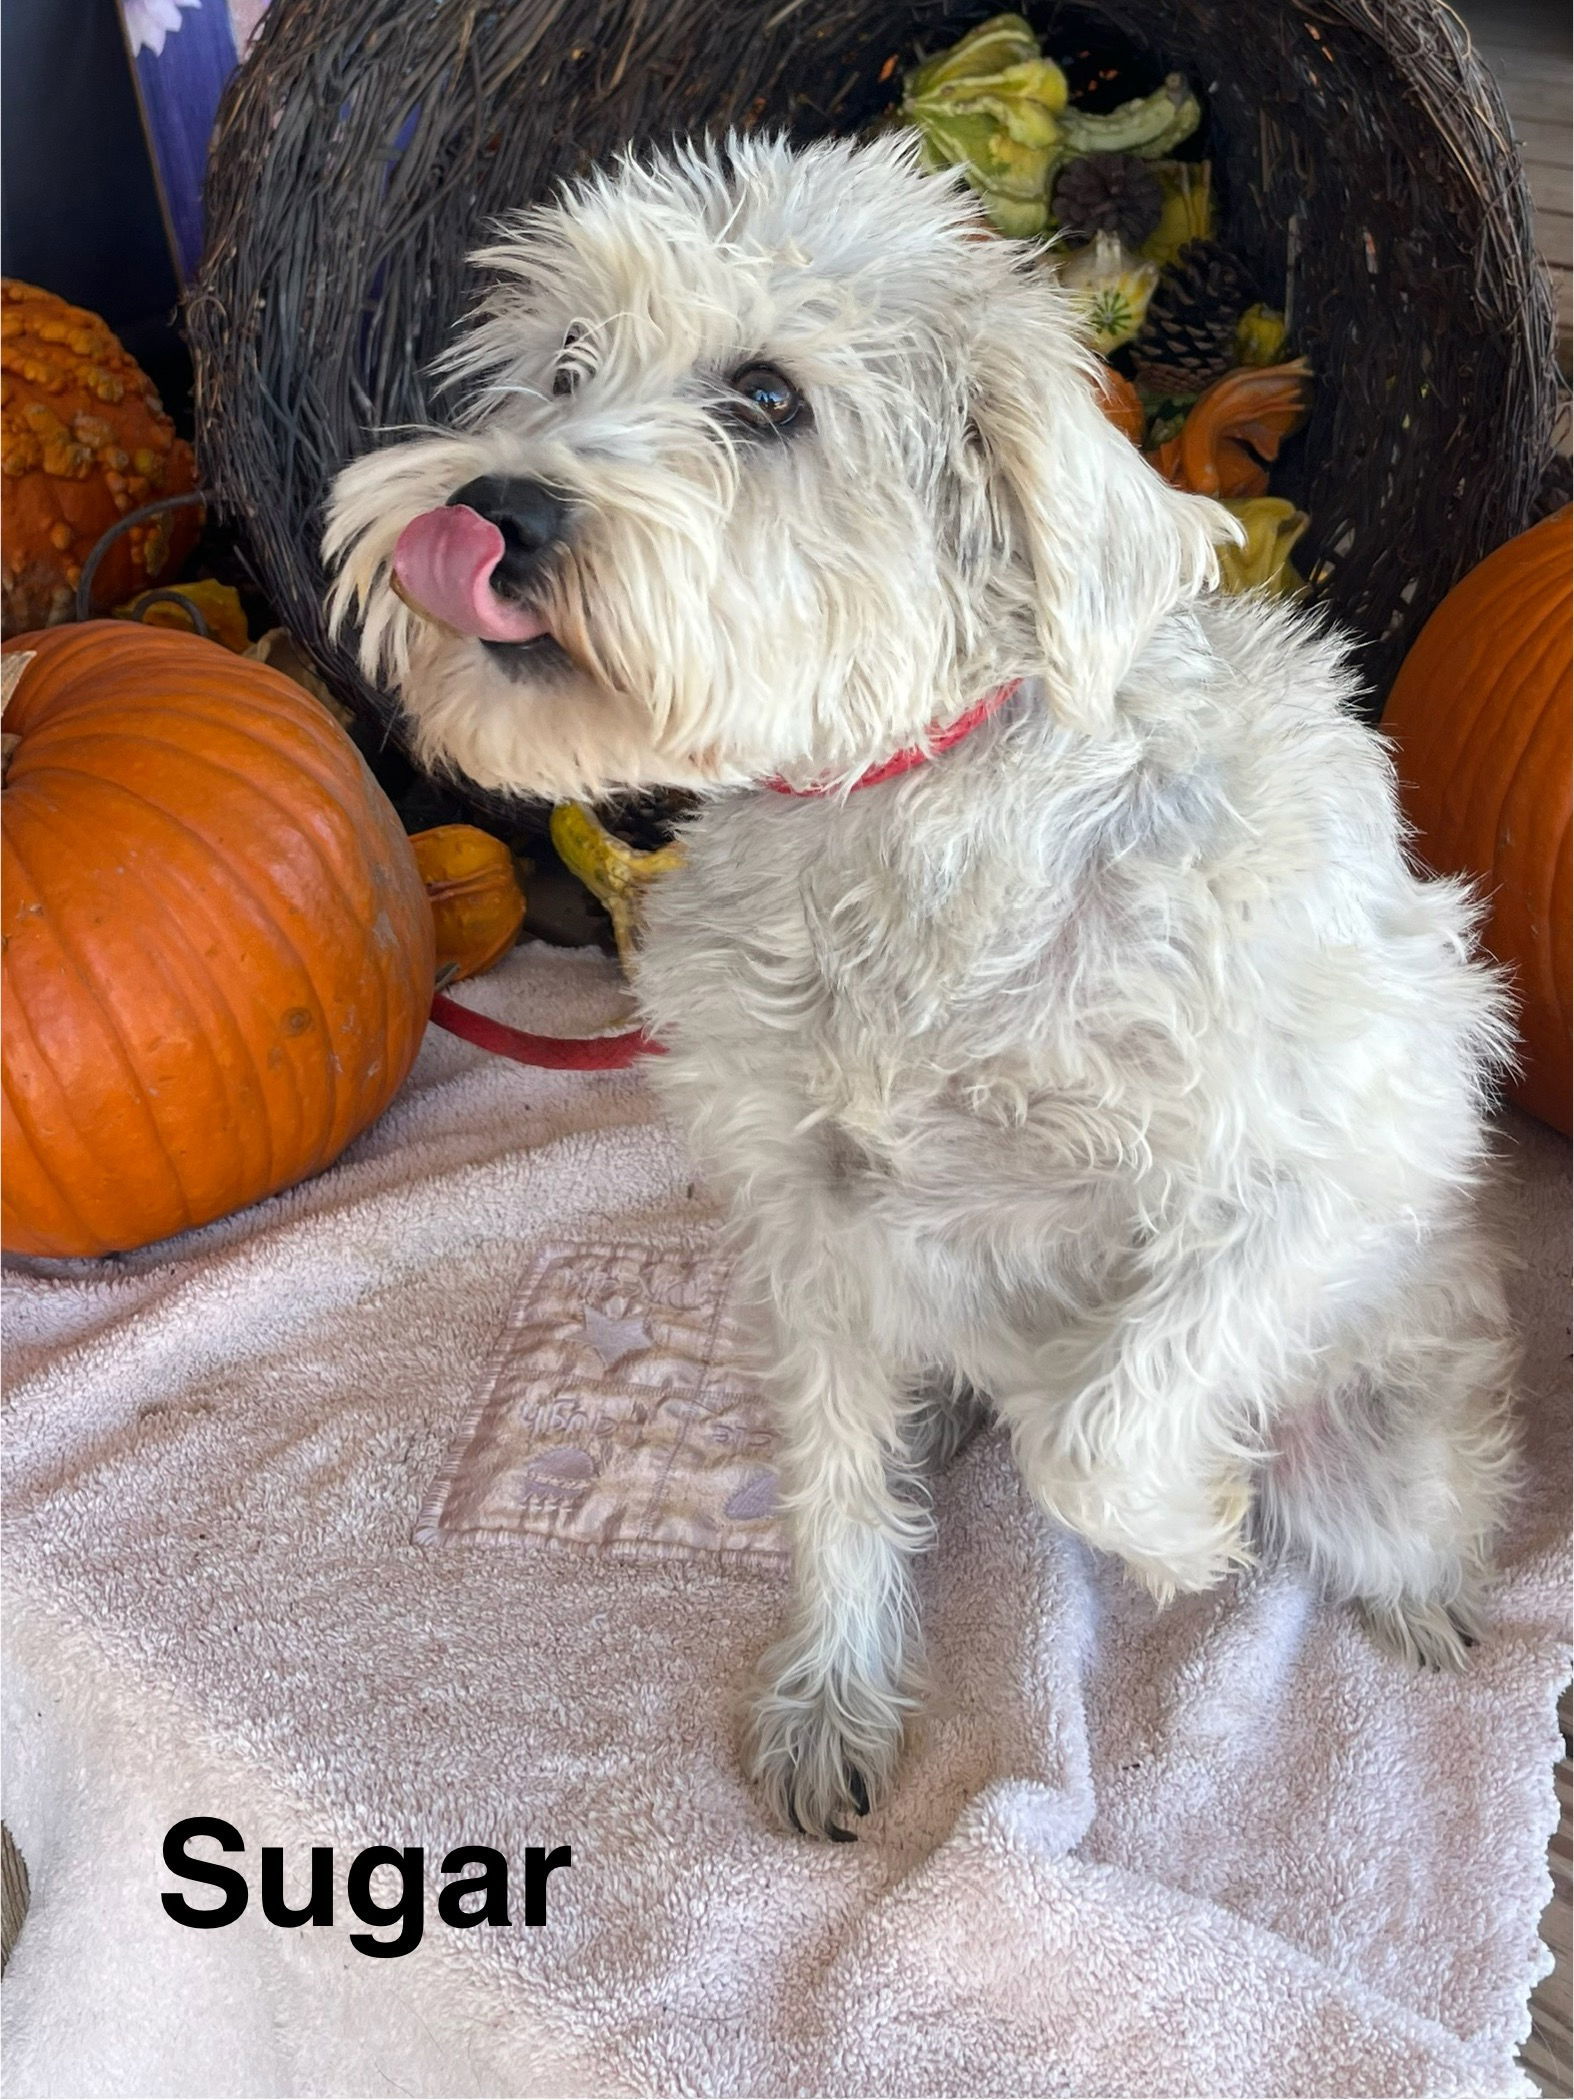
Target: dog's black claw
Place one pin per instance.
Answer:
(858, 1791)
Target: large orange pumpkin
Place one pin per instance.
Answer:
(83, 440)
(218, 952)
(1481, 717)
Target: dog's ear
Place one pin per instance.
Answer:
(1108, 546)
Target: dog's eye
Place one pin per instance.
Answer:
(769, 396)
(570, 367)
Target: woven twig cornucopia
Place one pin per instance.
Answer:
(1362, 155)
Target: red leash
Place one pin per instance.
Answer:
(614, 1053)
(552, 1053)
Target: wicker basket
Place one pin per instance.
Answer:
(1363, 157)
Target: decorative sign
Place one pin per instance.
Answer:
(182, 53)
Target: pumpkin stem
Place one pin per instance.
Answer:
(11, 669)
(106, 539)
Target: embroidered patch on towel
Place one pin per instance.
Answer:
(619, 1411)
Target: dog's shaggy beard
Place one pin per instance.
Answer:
(588, 708)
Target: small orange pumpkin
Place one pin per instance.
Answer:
(1480, 713)
(477, 904)
(217, 949)
(83, 440)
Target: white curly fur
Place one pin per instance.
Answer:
(1116, 1065)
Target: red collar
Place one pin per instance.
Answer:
(937, 741)
(604, 1053)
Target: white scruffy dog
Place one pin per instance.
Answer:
(1111, 1062)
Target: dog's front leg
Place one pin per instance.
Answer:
(835, 1690)
(1139, 1425)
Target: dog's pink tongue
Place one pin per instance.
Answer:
(444, 562)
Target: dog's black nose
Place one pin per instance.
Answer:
(532, 518)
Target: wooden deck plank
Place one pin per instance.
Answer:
(1526, 44)
(1538, 25)
(1549, 180)
(1517, 62)
(1549, 2054)
(1540, 139)
(1530, 96)
(1554, 236)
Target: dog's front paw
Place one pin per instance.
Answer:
(1427, 1635)
(1173, 1543)
(823, 1749)
(1193, 1556)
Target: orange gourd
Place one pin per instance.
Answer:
(217, 950)
(477, 904)
(1122, 403)
(83, 440)
(1480, 714)
(216, 604)
(1235, 429)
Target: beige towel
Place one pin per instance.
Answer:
(431, 1504)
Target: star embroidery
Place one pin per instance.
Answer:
(612, 1339)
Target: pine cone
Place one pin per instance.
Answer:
(1188, 336)
(1108, 193)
